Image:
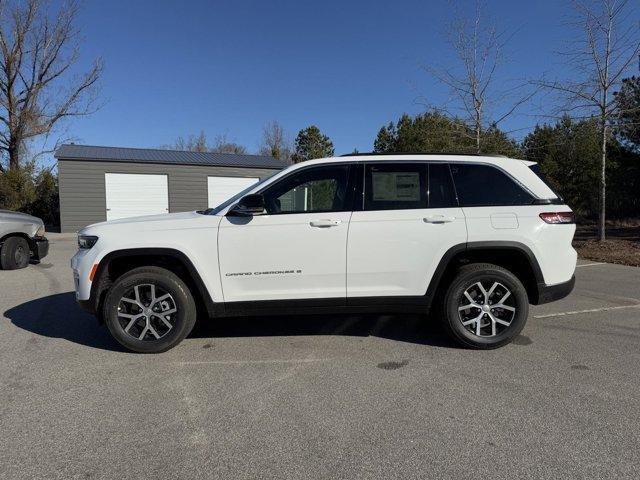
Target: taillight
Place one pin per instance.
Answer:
(558, 217)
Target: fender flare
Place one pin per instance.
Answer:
(98, 285)
(485, 245)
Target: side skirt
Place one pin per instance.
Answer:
(415, 304)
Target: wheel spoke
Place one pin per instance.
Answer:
(469, 322)
(466, 307)
(153, 294)
(153, 331)
(132, 322)
(493, 287)
(160, 298)
(166, 322)
(500, 321)
(136, 290)
(144, 332)
(506, 307)
(484, 292)
(466, 294)
(493, 325)
(501, 301)
(130, 300)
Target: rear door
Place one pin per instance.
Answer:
(408, 219)
(134, 194)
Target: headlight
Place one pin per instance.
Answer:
(40, 232)
(86, 241)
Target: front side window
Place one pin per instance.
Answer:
(312, 190)
(484, 185)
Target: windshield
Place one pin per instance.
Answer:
(235, 198)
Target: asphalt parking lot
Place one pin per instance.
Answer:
(322, 396)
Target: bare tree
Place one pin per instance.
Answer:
(608, 46)
(276, 142)
(223, 145)
(37, 54)
(478, 48)
(192, 143)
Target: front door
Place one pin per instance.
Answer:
(297, 248)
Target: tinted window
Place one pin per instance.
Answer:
(441, 192)
(535, 168)
(479, 185)
(395, 186)
(319, 189)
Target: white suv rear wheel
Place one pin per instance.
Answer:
(485, 306)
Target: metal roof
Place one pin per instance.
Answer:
(152, 155)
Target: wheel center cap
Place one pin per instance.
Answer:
(148, 312)
(486, 308)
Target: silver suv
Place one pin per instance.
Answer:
(21, 240)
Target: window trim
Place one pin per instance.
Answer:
(349, 197)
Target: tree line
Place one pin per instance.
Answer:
(588, 146)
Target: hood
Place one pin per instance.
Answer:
(9, 216)
(165, 221)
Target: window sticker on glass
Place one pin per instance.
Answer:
(396, 186)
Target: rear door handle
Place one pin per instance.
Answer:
(325, 223)
(438, 219)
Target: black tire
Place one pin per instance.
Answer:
(488, 274)
(15, 253)
(163, 280)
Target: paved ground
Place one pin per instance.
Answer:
(320, 397)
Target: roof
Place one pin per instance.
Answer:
(152, 155)
(395, 154)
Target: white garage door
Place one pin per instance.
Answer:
(223, 188)
(133, 194)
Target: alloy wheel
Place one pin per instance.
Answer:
(147, 312)
(486, 308)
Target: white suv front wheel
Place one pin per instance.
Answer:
(149, 310)
(485, 306)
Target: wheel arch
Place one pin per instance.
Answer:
(118, 262)
(514, 256)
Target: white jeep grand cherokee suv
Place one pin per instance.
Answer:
(474, 238)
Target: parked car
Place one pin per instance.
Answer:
(474, 238)
(21, 240)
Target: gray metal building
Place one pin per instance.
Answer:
(107, 183)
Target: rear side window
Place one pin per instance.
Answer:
(404, 186)
(395, 186)
(441, 192)
(484, 185)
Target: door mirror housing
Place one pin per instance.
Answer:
(248, 206)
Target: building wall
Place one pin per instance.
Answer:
(83, 196)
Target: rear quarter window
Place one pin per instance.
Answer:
(484, 185)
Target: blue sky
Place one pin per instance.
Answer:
(227, 67)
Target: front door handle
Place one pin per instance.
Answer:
(325, 223)
(438, 219)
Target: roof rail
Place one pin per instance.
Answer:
(364, 154)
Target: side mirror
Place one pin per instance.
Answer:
(248, 206)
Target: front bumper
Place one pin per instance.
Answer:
(39, 248)
(551, 293)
